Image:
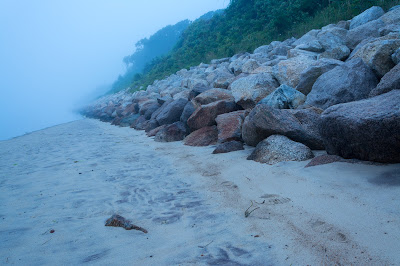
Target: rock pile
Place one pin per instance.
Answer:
(335, 88)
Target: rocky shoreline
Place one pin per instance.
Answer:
(333, 89)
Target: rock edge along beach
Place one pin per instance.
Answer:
(342, 97)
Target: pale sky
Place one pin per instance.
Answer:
(54, 53)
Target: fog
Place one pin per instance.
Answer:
(54, 54)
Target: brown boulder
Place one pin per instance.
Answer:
(230, 126)
(202, 137)
(205, 115)
(391, 81)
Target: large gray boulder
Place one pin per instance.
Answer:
(313, 72)
(249, 66)
(127, 121)
(391, 28)
(278, 148)
(265, 49)
(236, 65)
(349, 82)
(333, 40)
(300, 125)
(396, 57)
(368, 15)
(377, 54)
(187, 112)
(169, 133)
(284, 97)
(368, 30)
(172, 112)
(312, 46)
(288, 71)
(249, 90)
(309, 37)
(366, 130)
(391, 81)
(391, 17)
(220, 78)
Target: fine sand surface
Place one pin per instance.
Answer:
(71, 178)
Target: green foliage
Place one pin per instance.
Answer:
(247, 24)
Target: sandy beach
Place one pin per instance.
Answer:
(72, 177)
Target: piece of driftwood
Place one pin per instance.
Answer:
(119, 221)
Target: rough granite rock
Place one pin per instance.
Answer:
(128, 120)
(196, 91)
(205, 115)
(349, 82)
(154, 132)
(172, 112)
(187, 112)
(278, 148)
(366, 130)
(174, 132)
(229, 146)
(368, 15)
(129, 109)
(116, 121)
(396, 57)
(377, 53)
(391, 28)
(288, 71)
(249, 90)
(202, 137)
(309, 37)
(220, 78)
(300, 125)
(249, 66)
(148, 105)
(150, 109)
(368, 30)
(333, 40)
(212, 95)
(150, 125)
(139, 123)
(265, 49)
(161, 109)
(324, 159)
(284, 97)
(392, 17)
(391, 81)
(313, 72)
(230, 126)
(312, 46)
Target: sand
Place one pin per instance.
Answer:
(72, 177)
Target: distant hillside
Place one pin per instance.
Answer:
(247, 24)
(146, 50)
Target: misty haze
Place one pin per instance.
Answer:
(57, 56)
(200, 132)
